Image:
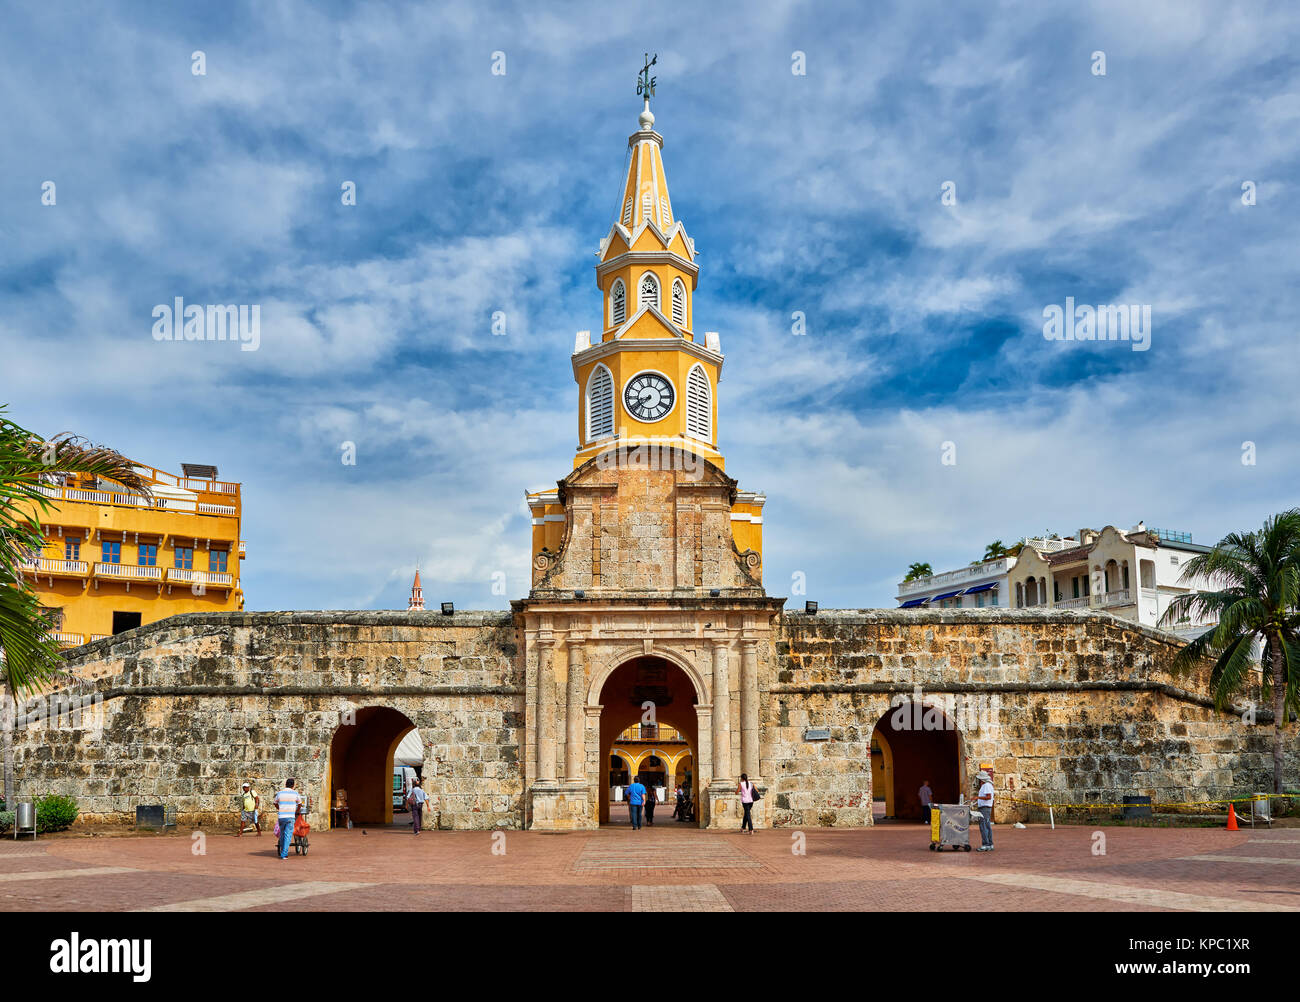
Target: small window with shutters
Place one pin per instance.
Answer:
(649, 290)
(699, 409)
(627, 212)
(617, 303)
(679, 303)
(664, 213)
(647, 203)
(600, 404)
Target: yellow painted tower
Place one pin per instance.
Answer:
(114, 560)
(649, 379)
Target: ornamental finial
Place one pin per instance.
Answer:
(645, 89)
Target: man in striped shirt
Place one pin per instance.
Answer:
(286, 810)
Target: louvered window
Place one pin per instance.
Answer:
(647, 203)
(664, 213)
(617, 303)
(600, 404)
(627, 212)
(679, 303)
(649, 290)
(699, 412)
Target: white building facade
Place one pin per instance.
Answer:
(1133, 574)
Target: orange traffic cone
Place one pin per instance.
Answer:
(1232, 819)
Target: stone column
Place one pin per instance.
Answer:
(704, 746)
(574, 739)
(721, 715)
(749, 709)
(545, 714)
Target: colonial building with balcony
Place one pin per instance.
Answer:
(1132, 573)
(982, 584)
(114, 559)
(659, 753)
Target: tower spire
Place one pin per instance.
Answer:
(416, 604)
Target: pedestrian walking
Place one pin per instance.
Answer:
(250, 804)
(984, 801)
(651, 797)
(635, 801)
(748, 794)
(415, 802)
(679, 803)
(927, 798)
(287, 802)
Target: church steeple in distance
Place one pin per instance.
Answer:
(416, 603)
(649, 376)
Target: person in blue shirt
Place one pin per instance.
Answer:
(636, 801)
(287, 802)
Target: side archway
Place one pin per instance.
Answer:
(361, 763)
(923, 744)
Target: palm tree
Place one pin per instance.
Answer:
(918, 570)
(29, 656)
(995, 550)
(1258, 600)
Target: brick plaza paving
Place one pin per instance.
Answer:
(665, 868)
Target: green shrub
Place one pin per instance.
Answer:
(55, 813)
(6, 821)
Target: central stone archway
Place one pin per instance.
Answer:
(645, 691)
(719, 655)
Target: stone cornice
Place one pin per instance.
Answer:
(1011, 617)
(1164, 688)
(77, 700)
(604, 349)
(633, 258)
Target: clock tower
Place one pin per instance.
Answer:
(647, 375)
(647, 605)
(647, 378)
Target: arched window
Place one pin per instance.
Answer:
(679, 303)
(600, 404)
(699, 404)
(649, 290)
(617, 303)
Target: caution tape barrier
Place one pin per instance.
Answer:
(1153, 805)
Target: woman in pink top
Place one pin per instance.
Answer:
(746, 790)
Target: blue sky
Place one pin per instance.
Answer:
(817, 193)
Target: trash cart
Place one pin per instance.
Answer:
(949, 827)
(301, 831)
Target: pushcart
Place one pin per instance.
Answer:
(301, 829)
(949, 827)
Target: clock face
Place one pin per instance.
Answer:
(648, 396)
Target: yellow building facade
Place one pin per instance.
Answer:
(648, 380)
(659, 753)
(114, 560)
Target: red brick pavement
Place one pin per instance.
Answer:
(886, 868)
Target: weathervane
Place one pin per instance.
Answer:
(645, 83)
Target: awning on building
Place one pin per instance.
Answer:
(983, 587)
(947, 594)
(410, 751)
(913, 603)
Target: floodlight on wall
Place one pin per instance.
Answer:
(579, 593)
(714, 592)
(810, 608)
(448, 608)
